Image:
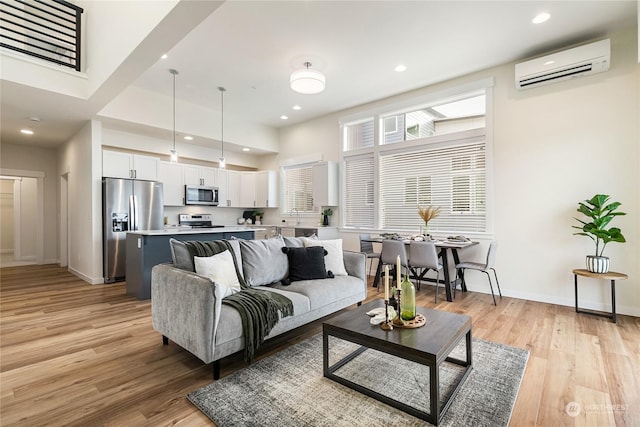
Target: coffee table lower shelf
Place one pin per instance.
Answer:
(433, 361)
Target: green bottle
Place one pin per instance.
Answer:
(407, 300)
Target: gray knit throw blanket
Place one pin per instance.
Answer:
(258, 308)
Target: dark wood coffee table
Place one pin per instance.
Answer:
(428, 345)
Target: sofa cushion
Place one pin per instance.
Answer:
(263, 261)
(180, 255)
(306, 263)
(297, 242)
(334, 260)
(323, 292)
(230, 326)
(219, 268)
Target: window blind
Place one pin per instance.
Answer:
(359, 191)
(298, 188)
(358, 135)
(452, 178)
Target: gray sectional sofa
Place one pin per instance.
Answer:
(187, 307)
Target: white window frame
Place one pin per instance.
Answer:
(433, 98)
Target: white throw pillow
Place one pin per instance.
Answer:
(219, 268)
(334, 260)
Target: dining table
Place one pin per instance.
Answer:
(444, 246)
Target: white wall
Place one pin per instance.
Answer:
(28, 190)
(81, 159)
(115, 30)
(140, 106)
(6, 216)
(40, 161)
(553, 146)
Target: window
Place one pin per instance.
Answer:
(450, 117)
(359, 193)
(358, 135)
(298, 190)
(433, 154)
(446, 177)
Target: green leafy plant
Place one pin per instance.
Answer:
(600, 214)
(327, 212)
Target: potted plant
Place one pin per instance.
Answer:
(427, 214)
(599, 213)
(257, 216)
(326, 214)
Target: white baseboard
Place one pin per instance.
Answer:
(570, 302)
(88, 279)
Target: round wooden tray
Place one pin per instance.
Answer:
(418, 321)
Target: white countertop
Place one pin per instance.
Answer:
(180, 230)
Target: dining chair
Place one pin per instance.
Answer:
(389, 255)
(488, 265)
(424, 255)
(367, 247)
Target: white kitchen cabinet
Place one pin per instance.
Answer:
(198, 175)
(171, 177)
(233, 189)
(228, 183)
(117, 164)
(325, 184)
(266, 189)
(248, 189)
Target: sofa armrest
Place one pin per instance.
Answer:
(356, 264)
(184, 308)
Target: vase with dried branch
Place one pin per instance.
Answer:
(427, 214)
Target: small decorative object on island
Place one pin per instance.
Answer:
(427, 214)
(601, 215)
(326, 214)
(408, 303)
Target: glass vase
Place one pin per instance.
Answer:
(408, 300)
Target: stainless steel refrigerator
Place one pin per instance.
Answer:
(127, 205)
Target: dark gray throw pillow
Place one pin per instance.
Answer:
(306, 264)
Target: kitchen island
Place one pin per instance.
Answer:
(151, 247)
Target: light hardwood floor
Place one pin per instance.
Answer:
(77, 354)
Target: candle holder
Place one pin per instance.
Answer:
(398, 320)
(386, 325)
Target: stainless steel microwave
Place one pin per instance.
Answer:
(200, 195)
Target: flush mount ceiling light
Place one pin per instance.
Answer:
(26, 131)
(221, 161)
(306, 81)
(174, 153)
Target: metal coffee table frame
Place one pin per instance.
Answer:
(373, 337)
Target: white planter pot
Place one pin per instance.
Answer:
(597, 264)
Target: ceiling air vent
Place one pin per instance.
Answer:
(576, 62)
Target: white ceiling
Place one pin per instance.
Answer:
(251, 47)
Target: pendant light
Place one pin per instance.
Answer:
(221, 161)
(307, 81)
(174, 152)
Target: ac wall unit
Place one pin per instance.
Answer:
(576, 62)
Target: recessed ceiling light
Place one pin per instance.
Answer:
(246, 149)
(400, 68)
(297, 107)
(283, 117)
(164, 56)
(541, 17)
(26, 131)
(188, 137)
